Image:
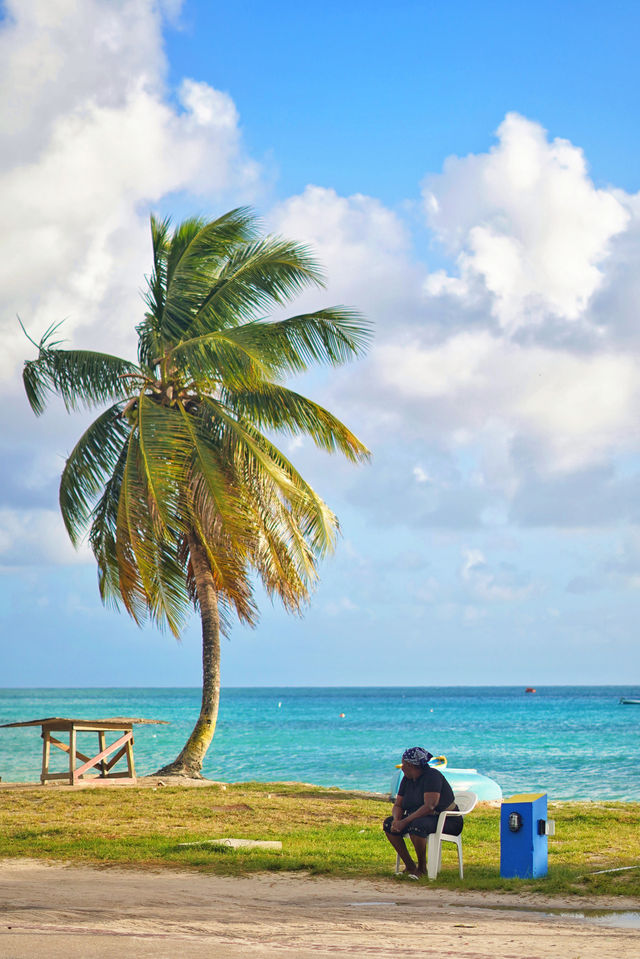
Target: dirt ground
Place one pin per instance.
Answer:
(54, 911)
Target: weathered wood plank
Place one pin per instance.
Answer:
(58, 776)
(116, 758)
(72, 756)
(112, 722)
(46, 749)
(101, 755)
(130, 764)
(65, 748)
(102, 745)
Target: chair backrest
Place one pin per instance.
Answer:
(465, 800)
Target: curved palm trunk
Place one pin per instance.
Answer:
(189, 762)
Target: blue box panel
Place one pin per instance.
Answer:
(523, 854)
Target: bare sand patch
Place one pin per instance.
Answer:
(72, 911)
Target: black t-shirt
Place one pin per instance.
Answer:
(430, 781)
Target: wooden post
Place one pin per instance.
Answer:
(46, 750)
(130, 765)
(73, 779)
(102, 745)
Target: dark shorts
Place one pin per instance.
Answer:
(426, 825)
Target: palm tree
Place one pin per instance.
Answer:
(181, 489)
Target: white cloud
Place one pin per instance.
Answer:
(504, 584)
(527, 220)
(524, 357)
(578, 408)
(91, 140)
(421, 476)
(362, 245)
(90, 143)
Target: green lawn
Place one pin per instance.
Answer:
(323, 831)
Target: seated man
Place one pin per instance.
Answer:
(423, 794)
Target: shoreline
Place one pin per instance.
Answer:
(156, 782)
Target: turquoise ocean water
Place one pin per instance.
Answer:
(569, 741)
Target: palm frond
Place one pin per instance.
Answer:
(272, 406)
(153, 579)
(229, 567)
(131, 580)
(199, 251)
(157, 282)
(149, 345)
(165, 452)
(260, 460)
(334, 336)
(206, 245)
(209, 475)
(102, 536)
(88, 468)
(82, 378)
(220, 358)
(317, 523)
(170, 601)
(283, 559)
(255, 276)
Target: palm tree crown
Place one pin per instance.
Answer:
(177, 483)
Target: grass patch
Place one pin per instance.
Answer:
(323, 831)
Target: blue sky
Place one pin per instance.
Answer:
(368, 98)
(468, 176)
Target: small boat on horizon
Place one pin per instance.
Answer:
(530, 689)
(629, 702)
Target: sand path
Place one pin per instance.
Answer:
(54, 911)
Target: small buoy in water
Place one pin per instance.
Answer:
(431, 710)
(279, 705)
(341, 715)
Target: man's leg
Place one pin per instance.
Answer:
(400, 847)
(420, 846)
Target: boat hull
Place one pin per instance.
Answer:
(486, 789)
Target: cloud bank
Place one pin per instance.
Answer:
(511, 375)
(92, 140)
(501, 389)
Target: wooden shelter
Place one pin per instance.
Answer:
(96, 769)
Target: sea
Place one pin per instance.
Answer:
(572, 742)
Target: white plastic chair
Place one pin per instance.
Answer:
(465, 800)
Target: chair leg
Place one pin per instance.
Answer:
(434, 854)
(459, 845)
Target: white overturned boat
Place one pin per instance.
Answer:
(486, 789)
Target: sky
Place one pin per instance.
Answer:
(467, 174)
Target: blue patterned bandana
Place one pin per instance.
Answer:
(417, 756)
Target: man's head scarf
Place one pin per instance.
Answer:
(417, 756)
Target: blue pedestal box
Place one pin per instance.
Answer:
(523, 840)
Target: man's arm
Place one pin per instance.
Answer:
(430, 801)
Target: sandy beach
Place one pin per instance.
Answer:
(56, 910)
